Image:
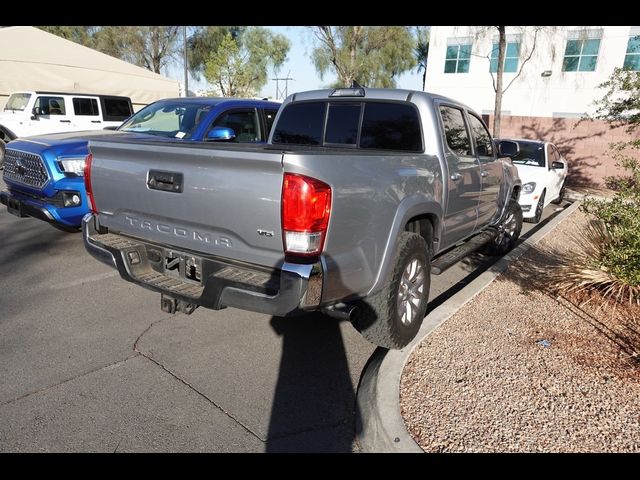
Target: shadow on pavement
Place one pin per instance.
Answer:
(314, 399)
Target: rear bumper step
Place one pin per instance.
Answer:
(207, 281)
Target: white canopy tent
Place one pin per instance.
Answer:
(32, 59)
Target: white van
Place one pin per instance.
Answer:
(37, 113)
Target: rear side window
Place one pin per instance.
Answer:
(116, 109)
(301, 124)
(390, 126)
(85, 106)
(455, 130)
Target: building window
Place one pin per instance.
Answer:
(632, 58)
(511, 57)
(581, 54)
(458, 55)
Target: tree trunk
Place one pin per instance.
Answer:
(502, 46)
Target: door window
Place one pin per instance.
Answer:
(85, 107)
(482, 139)
(455, 131)
(243, 123)
(50, 106)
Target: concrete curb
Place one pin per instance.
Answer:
(379, 424)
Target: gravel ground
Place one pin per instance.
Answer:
(521, 370)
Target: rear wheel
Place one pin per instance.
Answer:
(392, 317)
(508, 231)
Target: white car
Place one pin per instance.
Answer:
(543, 172)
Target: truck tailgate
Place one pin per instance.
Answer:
(230, 194)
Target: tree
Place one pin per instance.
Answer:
(78, 34)
(611, 262)
(149, 47)
(372, 56)
(421, 51)
(526, 52)
(238, 67)
(203, 41)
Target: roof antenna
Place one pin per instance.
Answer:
(355, 84)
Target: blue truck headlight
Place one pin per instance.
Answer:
(529, 187)
(72, 165)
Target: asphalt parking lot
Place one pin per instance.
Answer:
(89, 362)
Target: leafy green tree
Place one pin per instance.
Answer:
(421, 52)
(614, 262)
(204, 40)
(372, 56)
(238, 67)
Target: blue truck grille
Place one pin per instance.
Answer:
(25, 168)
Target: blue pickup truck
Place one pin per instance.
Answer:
(44, 174)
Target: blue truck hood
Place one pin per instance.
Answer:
(73, 143)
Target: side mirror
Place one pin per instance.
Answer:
(221, 134)
(557, 166)
(507, 148)
(34, 113)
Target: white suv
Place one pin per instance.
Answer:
(37, 113)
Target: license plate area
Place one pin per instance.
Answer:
(14, 207)
(181, 265)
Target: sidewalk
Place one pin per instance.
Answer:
(513, 370)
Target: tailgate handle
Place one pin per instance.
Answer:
(166, 181)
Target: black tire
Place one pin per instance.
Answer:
(560, 198)
(539, 209)
(508, 231)
(378, 317)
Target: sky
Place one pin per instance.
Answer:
(298, 66)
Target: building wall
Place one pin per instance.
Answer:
(585, 145)
(563, 94)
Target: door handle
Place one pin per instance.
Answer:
(455, 176)
(65, 121)
(167, 181)
(96, 121)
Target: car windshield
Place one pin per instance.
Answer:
(530, 154)
(167, 119)
(18, 101)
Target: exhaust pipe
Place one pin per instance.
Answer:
(340, 311)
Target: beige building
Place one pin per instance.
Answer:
(35, 60)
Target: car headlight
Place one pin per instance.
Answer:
(529, 187)
(72, 165)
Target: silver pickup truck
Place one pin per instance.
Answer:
(359, 196)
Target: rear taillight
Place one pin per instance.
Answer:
(87, 183)
(306, 206)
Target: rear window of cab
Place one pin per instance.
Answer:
(365, 125)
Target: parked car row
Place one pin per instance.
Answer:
(359, 196)
(44, 174)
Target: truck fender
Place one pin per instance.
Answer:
(410, 207)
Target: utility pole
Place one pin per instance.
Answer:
(282, 94)
(186, 71)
